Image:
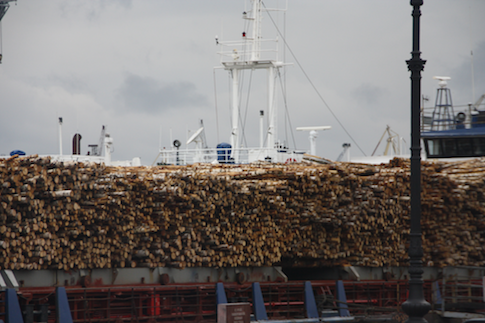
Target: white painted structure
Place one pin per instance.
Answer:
(313, 136)
(106, 159)
(248, 53)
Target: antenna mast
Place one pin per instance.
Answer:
(443, 114)
(247, 54)
(471, 56)
(256, 39)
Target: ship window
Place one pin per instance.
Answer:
(454, 147)
(433, 147)
(449, 147)
(478, 146)
(465, 147)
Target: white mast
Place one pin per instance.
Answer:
(272, 109)
(235, 112)
(256, 39)
(247, 55)
(108, 142)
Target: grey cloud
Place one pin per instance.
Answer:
(124, 3)
(144, 94)
(91, 9)
(69, 82)
(368, 93)
(461, 76)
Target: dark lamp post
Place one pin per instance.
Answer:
(416, 306)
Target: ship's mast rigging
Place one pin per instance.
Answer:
(247, 54)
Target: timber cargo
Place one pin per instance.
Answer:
(88, 216)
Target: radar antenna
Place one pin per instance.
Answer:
(443, 115)
(313, 136)
(200, 142)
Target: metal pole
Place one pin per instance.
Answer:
(60, 136)
(416, 306)
(235, 115)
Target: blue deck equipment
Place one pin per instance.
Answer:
(310, 304)
(343, 308)
(63, 311)
(13, 313)
(258, 303)
(17, 152)
(224, 153)
(438, 300)
(220, 294)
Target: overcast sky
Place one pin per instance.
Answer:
(145, 68)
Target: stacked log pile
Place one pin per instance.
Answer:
(76, 216)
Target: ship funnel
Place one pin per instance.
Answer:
(76, 144)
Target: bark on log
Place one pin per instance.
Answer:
(75, 215)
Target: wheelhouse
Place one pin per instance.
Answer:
(449, 135)
(454, 143)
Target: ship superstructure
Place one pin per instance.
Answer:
(449, 132)
(250, 53)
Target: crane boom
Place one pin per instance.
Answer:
(479, 101)
(4, 5)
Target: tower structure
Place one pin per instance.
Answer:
(443, 115)
(248, 54)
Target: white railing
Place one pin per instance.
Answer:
(227, 156)
(241, 51)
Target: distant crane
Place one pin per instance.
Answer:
(4, 5)
(393, 141)
(479, 102)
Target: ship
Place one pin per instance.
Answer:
(97, 153)
(450, 133)
(251, 53)
(339, 293)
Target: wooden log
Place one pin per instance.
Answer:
(284, 212)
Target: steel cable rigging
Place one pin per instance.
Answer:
(311, 83)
